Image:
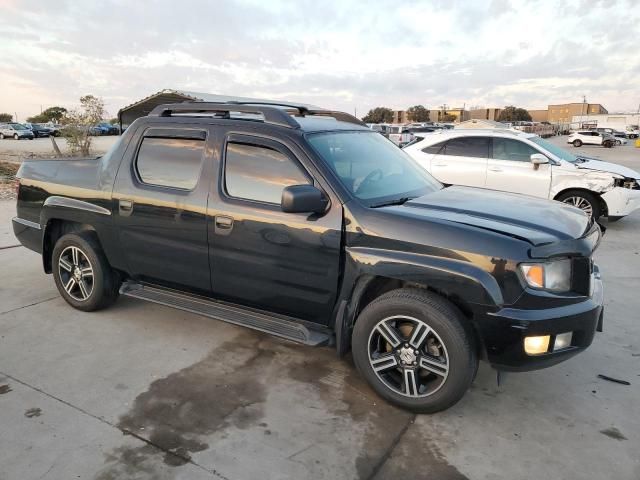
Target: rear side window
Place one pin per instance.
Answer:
(435, 149)
(515, 150)
(259, 173)
(477, 147)
(170, 162)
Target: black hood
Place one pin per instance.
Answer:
(534, 220)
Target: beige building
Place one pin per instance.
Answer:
(485, 114)
(459, 114)
(539, 115)
(400, 116)
(565, 112)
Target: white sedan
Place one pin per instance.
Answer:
(524, 163)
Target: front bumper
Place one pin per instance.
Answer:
(621, 201)
(503, 332)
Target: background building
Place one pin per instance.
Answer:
(400, 116)
(565, 112)
(539, 115)
(485, 114)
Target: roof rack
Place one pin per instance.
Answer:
(281, 114)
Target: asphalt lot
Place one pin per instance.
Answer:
(137, 390)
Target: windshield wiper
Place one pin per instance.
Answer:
(388, 203)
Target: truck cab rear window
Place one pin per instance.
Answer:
(170, 162)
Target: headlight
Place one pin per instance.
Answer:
(554, 275)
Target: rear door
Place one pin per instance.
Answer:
(510, 169)
(260, 256)
(160, 197)
(462, 161)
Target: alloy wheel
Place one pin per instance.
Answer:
(76, 273)
(408, 356)
(580, 202)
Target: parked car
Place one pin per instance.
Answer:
(55, 128)
(14, 130)
(314, 228)
(520, 162)
(400, 135)
(591, 137)
(632, 131)
(621, 137)
(109, 128)
(39, 131)
(381, 128)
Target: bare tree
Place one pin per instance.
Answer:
(78, 123)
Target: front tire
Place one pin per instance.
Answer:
(16, 137)
(82, 274)
(585, 201)
(577, 143)
(412, 347)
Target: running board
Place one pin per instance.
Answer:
(264, 322)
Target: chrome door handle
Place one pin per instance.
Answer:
(125, 206)
(495, 169)
(440, 164)
(223, 224)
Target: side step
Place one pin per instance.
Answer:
(264, 322)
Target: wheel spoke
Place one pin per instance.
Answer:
(389, 333)
(384, 362)
(65, 264)
(70, 284)
(87, 272)
(83, 289)
(434, 366)
(420, 333)
(410, 385)
(74, 255)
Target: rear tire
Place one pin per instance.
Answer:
(430, 336)
(585, 201)
(577, 143)
(82, 274)
(1, 136)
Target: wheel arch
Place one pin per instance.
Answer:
(604, 209)
(54, 229)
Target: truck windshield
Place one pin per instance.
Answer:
(371, 167)
(557, 151)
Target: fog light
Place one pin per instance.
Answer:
(563, 340)
(536, 345)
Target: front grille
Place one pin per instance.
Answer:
(582, 267)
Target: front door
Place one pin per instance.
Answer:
(260, 256)
(160, 199)
(510, 169)
(462, 161)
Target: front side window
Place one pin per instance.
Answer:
(170, 162)
(372, 168)
(259, 173)
(477, 147)
(515, 150)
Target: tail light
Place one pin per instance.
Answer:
(17, 186)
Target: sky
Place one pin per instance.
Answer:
(344, 55)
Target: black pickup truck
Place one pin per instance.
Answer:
(306, 224)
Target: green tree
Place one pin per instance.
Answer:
(40, 118)
(6, 117)
(54, 114)
(514, 114)
(78, 123)
(378, 115)
(418, 113)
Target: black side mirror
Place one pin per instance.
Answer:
(303, 199)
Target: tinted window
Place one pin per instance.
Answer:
(170, 162)
(371, 167)
(507, 149)
(434, 148)
(468, 147)
(259, 173)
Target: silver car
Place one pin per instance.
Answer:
(15, 130)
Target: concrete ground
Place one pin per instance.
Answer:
(140, 391)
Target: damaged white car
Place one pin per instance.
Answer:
(524, 163)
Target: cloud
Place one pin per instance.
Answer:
(338, 54)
